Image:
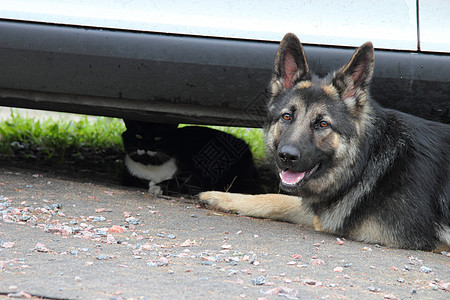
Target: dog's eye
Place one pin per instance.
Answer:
(323, 124)
(286, 116)
(158, 138)
(139, 137)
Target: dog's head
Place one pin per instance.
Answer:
(315, 123)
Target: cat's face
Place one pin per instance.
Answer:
(149, 143)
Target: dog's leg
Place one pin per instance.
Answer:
(271, 206)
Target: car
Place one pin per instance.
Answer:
(204, 62)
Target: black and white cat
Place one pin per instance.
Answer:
(187, 160)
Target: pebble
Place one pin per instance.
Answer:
(146, 247)
(261, 280)
(4, 205)
(162, 262)
(41, 248)
(309, 281)
(56, 206)
(116, 229)
(283, 291)
(132, 221)
(232, 272)
(253, 260)
(103, 257)
(226, 247)
(426, 270)
(20, 294)
(102, 233)
(186, 243)
(25, 218)
(6, 244)
(317, 262)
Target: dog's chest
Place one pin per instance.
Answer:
(332, 218)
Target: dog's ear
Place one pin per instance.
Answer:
(290, 65)
(352, 80)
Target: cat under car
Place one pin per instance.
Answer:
(169, 160)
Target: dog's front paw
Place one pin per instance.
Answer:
(216, 200)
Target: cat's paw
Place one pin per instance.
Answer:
(154, 189)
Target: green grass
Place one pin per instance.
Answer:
(253, 136)
(59, 136)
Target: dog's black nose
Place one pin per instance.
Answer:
(288, 154)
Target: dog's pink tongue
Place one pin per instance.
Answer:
(291, 177)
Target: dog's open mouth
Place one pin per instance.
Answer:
(291, 178)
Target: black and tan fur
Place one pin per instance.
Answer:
(356, 169)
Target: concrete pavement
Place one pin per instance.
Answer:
(69, 237)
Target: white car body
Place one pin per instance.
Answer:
(389, 24)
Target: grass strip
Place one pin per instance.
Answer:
(59, 136)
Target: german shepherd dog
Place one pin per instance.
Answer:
(355, 169)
